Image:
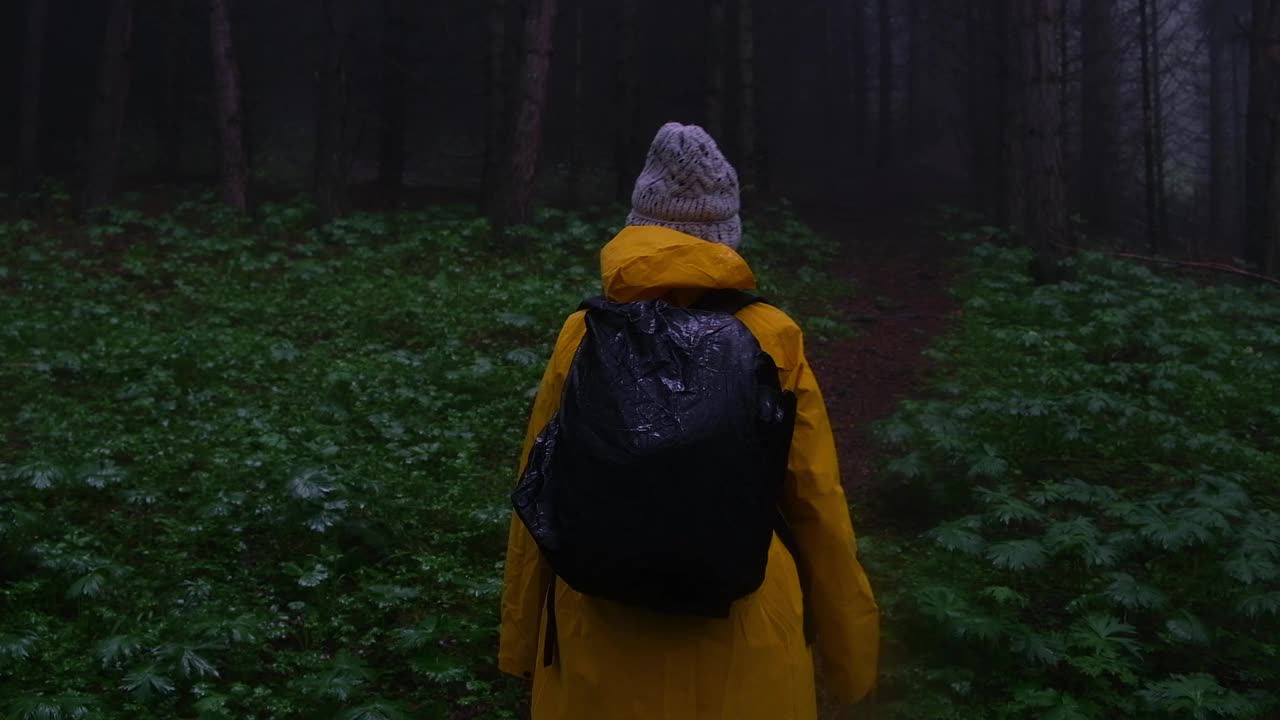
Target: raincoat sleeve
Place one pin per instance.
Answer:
(845, 614)
(527, 574)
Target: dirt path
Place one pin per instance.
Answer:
(897, 304)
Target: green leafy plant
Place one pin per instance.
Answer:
(254, 468)
(1093, 475)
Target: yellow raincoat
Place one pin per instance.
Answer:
(622, 663)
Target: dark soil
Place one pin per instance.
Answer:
(897, 304)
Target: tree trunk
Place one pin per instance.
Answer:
(27, 169)
(858, 76)
(1263, 248)
(715, 68)
(1157, 126)
(226, 83)
(496, 134)
(753, 173)
(395, 97)
(884, 139)
(1218, 151)
(980, 152)
(1097, 88)
(172, 105)
(1012, 124)
(1045, 214)
(1148, 126)
(624, 141)
(515, 204)
(107, 122)
(330, 167)
(914, 67)
(576, 159)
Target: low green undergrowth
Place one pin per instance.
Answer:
(254, 469)
(1087, 503)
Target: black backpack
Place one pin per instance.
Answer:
(657, 484)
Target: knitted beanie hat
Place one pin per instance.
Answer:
(688, 185)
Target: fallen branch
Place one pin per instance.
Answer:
(1219, 267)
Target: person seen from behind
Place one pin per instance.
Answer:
(682, 547)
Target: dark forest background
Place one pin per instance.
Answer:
(1145, 120)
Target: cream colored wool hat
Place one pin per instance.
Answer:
(688, 185)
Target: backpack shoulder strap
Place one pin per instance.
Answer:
(726, 301)
(595, 301)
(721, 301)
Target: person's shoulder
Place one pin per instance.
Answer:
(776, 332)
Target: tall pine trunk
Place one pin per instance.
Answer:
(1158, 123)
(516, 200)
(226, 83)
(1045, 214)
(1263, 237)
(172, 106)
(1148, 126)
(624, 164)
(1012, 171)
(28, 162)
(331, 104)
(395, 96)
(884, 138)
(106, 126)
(754, 174)
(576, 140)
(715, 68)
(496, 134)
(857, 66)
(915, 46)
(1098, 99)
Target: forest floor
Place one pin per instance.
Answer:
(897, 303)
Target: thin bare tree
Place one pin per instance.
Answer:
(106, 124)
(395, 95)
(884, 139)
(515, 202)
(1036, 28)
(226, 83)
(753, 173)
(496, 124)
(1097, 121)
(624, 137)
(715, 45)
(28, 160)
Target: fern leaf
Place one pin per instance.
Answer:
(1197, 696)
(90, 585)
(1187, 629)
(378, 710)
(15, 648)
(147, 683)
(1079, 532)
(959, 536)
(1250, 569)
(909, 466)
(1005, 596)
(1016, 554)
(1104, 635)
(40, 475)
(1125, 591)
(311, 484)
(1267, 603)
(1008, 509)
(117, 648)
(65, 706)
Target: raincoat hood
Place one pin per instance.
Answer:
(648, 262)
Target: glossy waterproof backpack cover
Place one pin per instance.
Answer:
(657, 483)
